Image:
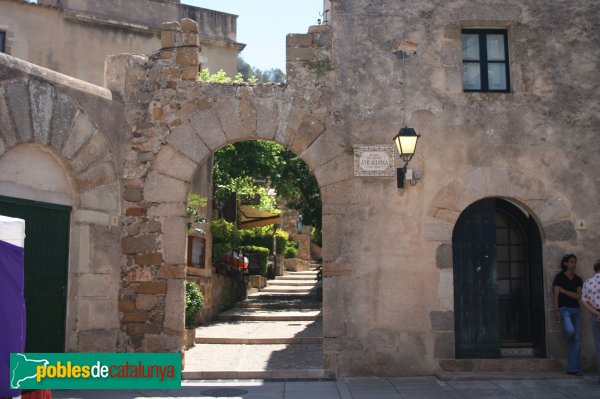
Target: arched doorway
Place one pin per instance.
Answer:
(498, 284)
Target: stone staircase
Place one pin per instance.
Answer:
(275, 333)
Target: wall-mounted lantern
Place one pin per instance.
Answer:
(406, 143)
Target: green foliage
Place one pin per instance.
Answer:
(282, 238)
(263, 237)
(258, 236)
(245, 187)
(269, 162)
(290, 252)
(263, 256)
(194, 302)
(225, 237)
(222, 77)
(316, 236)
(239, 79)
(219, 77)
(195, 202)
(291, 249)
(249, 73)
(320, 68)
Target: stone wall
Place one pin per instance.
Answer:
(125, 27)
(387, 255)
(220, 293)
(174, 124)
(535, 146)
(58, 144)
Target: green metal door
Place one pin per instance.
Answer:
(46, 265)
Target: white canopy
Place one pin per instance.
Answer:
(12, 230)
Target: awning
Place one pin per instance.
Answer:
(251, 217)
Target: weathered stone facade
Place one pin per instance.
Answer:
(108, 27)
(175, 124)
(388, 290)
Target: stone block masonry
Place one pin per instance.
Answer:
(175, 124)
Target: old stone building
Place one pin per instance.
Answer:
(453, 271)
(40, 33)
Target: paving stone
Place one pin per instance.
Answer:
(269, 341)
(254, 357)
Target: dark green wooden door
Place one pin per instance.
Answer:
(538, 322)
(46, 265)
(475, 282)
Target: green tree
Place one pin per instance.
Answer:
(273, 75)
(266, 164)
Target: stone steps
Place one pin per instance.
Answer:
(283, 295)
(260, 341)
(312, 273)
(250, 314)
(292, 283)
(289, 277)
(267, 303)
(290, 289)
(276, 333)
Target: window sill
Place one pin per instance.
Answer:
(487, 96)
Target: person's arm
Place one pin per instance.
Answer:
(570, 294)
(555, 293)
(591, 309)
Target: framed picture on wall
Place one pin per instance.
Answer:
(196, 251)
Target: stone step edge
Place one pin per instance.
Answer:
(292, 277)
(308, 306)
(299, 374)
(500, 375)
(259, 341)
(268, 318)
(508, 364)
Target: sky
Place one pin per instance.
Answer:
(263, 24)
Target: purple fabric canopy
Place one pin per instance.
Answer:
(12, 310)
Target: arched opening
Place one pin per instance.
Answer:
(498, 282)
(36, 189)
(241, 181)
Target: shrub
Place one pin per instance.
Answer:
(193, 206)
(263, 256)
(258, 237)
(290, 252)
(263, 237)
(194, 302)
(225, 237)
(282, 238)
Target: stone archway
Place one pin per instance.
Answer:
(174, 128)
(40, 119)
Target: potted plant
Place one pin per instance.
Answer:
(194, 302)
